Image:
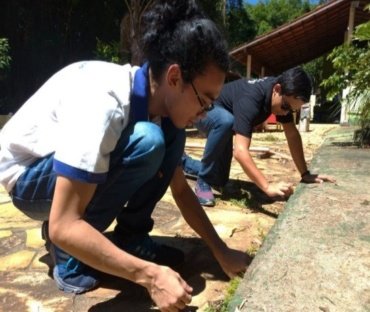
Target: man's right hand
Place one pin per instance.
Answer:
(279, 189)
(168, 290)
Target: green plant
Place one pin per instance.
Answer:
(269, 138)
(351, 63)
(230, 291)
(261, 231)
(107, 51)
(252, 250)
(4, 54)
(240, 202)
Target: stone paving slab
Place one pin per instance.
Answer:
(317, 255)
(25, 266)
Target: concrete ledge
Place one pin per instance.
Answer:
(317, 255)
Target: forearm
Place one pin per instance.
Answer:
(231, 261)
(249, 167)
(197, 219)
(296, 150)
(81, 240)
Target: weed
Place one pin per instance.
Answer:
(222, 306)
(261, 231)
(269, 137)
(252, 250)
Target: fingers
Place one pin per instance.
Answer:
(182, 302)
(235, 262)
(234, 274)
(169, 291)
(188, 289)
(186, 299)
(179, 305)
(327, 178)
(286, 189)
(280, 189)
(324, 178)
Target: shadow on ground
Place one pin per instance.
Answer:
(199, 265)
(247, 194)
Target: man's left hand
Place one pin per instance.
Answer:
(317, 178)
(233, 262)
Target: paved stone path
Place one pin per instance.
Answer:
(242, 217)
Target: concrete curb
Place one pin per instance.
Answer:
(317, 255)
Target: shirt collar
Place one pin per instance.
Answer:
(140, 94)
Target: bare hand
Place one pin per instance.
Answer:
(169, 291)
(279, 189)
(233, 262)
(317, 178)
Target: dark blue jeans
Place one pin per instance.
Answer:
(141, 168)
(214, 167)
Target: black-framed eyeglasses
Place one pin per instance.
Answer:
(204, 106)
(287, 107)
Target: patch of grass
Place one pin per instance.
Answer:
(252, 250)
(240, 202)
(230, 291)
(236, 196)
(269, 138)
(261, 231)
(255, 246)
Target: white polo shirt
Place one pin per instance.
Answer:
(79, 114)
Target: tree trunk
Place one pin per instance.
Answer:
(131, 29)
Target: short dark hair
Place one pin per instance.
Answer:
(296, 82)
(177, 31)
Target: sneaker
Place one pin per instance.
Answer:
(70, 274)
(190, 166)
(204, 193)
(144, 247)
(191, 174)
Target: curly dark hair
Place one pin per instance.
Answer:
(177, 31)
(295, 81)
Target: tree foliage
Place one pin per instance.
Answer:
(270, 14)
(4, 54)
(240, 26)
(351, 63)
(108, 51)
(47, 35)
(44, 36)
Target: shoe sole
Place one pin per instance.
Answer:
(207, 203)
(190, 176)
(59, 281)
